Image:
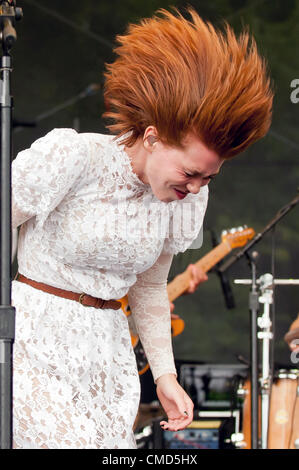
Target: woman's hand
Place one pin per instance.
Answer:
(176, 403)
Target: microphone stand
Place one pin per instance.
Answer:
(225, 284)
(281, 213)
(253, 307)
(8, 15)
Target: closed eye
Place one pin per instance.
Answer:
(190, 175)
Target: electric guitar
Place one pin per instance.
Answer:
(229, 240)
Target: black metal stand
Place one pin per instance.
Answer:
(281, 213)
(8, 15)
(253, 307)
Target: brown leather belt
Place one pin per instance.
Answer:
(83, 299)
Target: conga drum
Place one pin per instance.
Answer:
(284, 410)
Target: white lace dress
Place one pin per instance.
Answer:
(88, 224)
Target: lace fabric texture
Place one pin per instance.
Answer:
(88, 224)
(70, 388)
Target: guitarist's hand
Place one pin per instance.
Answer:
(173, 315)
(176, 403)
(197, 277)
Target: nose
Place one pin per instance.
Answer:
(195, 185)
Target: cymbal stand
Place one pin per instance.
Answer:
(263, 289)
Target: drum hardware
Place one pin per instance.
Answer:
(147, 413)
(253, 307)
(148, 433)
(222, 414)
(235, 438)
(265, 283)
(282, 282)
(144, 437)
(241, 391)
(264, 323)
(287, 374)
(238, 440)
(145, 432)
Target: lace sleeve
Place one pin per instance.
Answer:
(150, 308)
(43, 174)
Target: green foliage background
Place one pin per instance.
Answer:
(62, 48)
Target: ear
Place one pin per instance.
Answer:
(150, 137)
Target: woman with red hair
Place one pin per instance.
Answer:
(101, 216)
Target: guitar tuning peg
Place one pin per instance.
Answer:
(233, 230)
(224, 232)
(240, 229)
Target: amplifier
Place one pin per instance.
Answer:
(213, 386)
(214, 430)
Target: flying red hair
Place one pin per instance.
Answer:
(183, 75)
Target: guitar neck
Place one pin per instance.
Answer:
(180, 283)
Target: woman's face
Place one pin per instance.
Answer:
(174, 172)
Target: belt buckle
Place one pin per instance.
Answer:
(81, 297)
